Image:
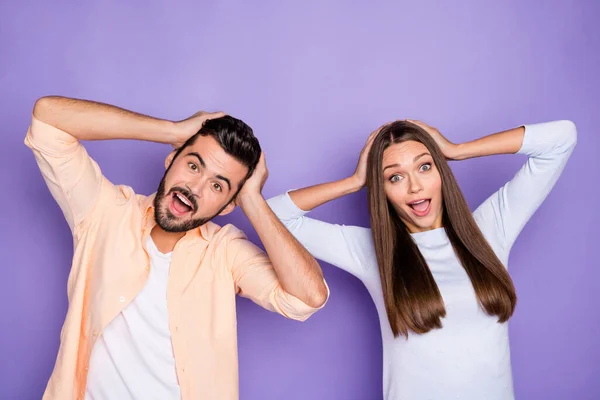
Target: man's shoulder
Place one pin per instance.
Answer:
(215, 233)
(123, 198)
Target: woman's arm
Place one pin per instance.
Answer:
(548, 147)
(347, 247)
(314, 196)
(505, 142)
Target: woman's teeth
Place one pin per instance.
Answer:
(420, 205)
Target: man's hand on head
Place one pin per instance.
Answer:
(252, 189)
(188, 127)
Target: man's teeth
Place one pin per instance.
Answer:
(183, 200)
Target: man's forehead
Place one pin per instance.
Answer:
(215, 158)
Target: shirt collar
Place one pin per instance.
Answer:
(204, 233)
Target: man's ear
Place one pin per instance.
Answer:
(170, 158)
(228, 209)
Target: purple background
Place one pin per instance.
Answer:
(313, 80)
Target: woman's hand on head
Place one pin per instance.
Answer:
(448, 148)
(360, 174)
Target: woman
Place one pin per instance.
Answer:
(435, 271)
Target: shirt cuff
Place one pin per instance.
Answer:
(547, 137)
(50, 140)
(294, 308)
(284, 207)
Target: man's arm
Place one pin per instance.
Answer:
(88, 120)
(297, 271)
(73, 178)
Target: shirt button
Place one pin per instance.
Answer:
(122, 299)
(95, 333)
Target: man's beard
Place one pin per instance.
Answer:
(169, 222)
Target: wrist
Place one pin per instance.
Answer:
(353, 184)
(457, 152)
(249, 200)
(174, 132)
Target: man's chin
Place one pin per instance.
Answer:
(172, 225)
(172, 228)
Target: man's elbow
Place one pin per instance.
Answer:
(42, 107)
(318, 296)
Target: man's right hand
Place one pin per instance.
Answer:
(90, 120)
(188, 127)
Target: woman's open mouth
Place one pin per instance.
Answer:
(420, 207)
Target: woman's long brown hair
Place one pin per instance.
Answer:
(412, 299)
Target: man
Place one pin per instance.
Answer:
(152, 286)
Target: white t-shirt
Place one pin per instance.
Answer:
(133, 358)
(469, 358)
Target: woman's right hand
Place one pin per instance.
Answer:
(314, 196)
(360, 174)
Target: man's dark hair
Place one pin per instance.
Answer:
(235, 137)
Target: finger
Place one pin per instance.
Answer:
(218, 114)
(421, 124)
(213, 115)
(370, 142)
(376, 131)
(372, 137)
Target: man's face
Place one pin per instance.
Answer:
(199, 185)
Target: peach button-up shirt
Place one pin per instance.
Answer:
(210, 264)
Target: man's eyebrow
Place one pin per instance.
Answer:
(221, 177)
(203, 164)
(200, 160)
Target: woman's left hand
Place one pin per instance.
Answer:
(448, 148)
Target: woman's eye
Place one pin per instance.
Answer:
(395, 178)
(425, 167)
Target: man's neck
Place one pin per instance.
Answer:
(165, 241)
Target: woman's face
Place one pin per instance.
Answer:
(413, 185)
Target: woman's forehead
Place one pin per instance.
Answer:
(405, 152)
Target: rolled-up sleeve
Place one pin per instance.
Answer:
(256, 280)
(73, 177)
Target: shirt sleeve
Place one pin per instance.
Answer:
(73, 177)
(504, 214)
(347, 247)
(256, 280)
